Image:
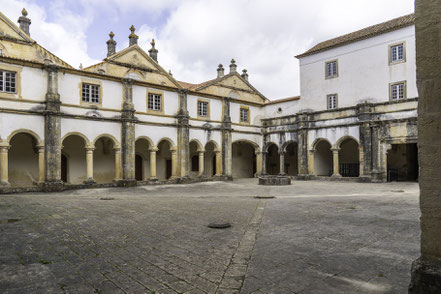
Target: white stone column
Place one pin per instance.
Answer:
(4, 180)
(282, 164)
(89, 165)
(201, 164)
(174, 162)
(153, 151)
(336, 173)
(218, 163)
(41, 164)
(258, 163)
(118, 170)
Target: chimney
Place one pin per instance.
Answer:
(133, 39)
(220, 71)
(24, 22)
(233, 66)
(153, 52)
(244, 74)
(111, 45)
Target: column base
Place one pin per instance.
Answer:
(336, 177)
(153, 179)
(378, 177)
(53, 186)
(364, 179)
(126, 183)
(89, 181)
(5, 184)
(304, 177)
(426, 277)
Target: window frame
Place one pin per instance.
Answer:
(327, 101)
(17, 72)
(100, 92)
(161, 103)
(248, 115)
(336, 69)
(91, 87)
(391, 85)
(207, 102)
(391, 46)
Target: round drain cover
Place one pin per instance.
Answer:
(219, 225)
(264, 197)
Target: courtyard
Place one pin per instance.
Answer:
(313, 237)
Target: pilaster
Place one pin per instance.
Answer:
(183, 136)
(302, 147)
(4, 173)
(89, 166)
(227, 152)
(153, 151)
(282, 163)
(201, 164)
(336, 165)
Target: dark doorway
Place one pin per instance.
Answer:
(214, 165)
(63, 168)
(168, 169)
(138, 167)
(402, 162)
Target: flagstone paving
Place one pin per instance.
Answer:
(314, 237)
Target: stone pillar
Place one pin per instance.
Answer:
(201, 164)
(183, 136)
(218, 163)
(364, 111)
(52, 132)
(128, 136)
(426, 270)
(282, 163)
(378, 173)
(336, 171)
(264, 162)
(118, 171)
(302, 147)
(89, 166)
(258, 163)
(4, 179)
(227, 152)
(41, 174)
(153, 151)
(362, 162)
(174, 163)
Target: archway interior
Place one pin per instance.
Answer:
(291, 160)
(104, 160)
(210, 160)
(349, 158)
(323, 159)
(194, 160)
(23, 160)
(244, 160)
(402, 162)
(163, 161)
(142, 160)
(73, 165)
(273, 160)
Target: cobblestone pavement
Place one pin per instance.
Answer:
(314, 237)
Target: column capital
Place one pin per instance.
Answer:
(282, 152)
(335, 149)
(40, 148)
(201, 152)
(117, 149)
(153, 149)
(90, 149)
(4, 146)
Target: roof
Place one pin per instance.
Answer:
(190, 86)
(284, 100)
(369, 32)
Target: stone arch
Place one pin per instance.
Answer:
(150, 141)
(143, 146)
(212, 159)
(272, 158)
(344, 138)
(114, 140)
(25, 131)
(268, 145)
(86, 140)
(104, 158)
(164, 165)
(322, 157)
(23, 158)
(254, 144)
(199, 145)
(216, 145)
(348, 156)
(290, 150)
(244, 158)
(73, 158)
(284, 145)
(170, 141)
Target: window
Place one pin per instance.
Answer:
(398, 91)
(331, 69)
(244, 115)
(397, 53)
(154, 102)
(90, 93)
(8, 81)
(203, 108)
(332, 101)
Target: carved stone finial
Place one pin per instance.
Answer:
(153, 52)
(111, 35)
(220, 71)
(24, 12)
(132, 29)
(152, 43)
(233, 66)
(111, 45)
(24, 22)
(244, 74)
(133, 38)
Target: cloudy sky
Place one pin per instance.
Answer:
(194, 36)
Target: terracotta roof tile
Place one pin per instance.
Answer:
(284, 100)
(369, 32)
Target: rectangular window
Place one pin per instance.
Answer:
(8, 81)
(331, 69)
(332, 101)
(203, 108)
(397, 53)
(398, 91)
(244, 115)
(154, 102)
(90, 93)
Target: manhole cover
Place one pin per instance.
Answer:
(107, 198)
(264, 197)
(9, 221)
(219, 225)
(398, 191)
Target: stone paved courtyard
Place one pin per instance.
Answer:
(314, 237)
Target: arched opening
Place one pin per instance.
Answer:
(323, 159)
(402, 162)
(273, 160)
(73, 160)
(194, 159)
(349, 158)
(23, 160)
(104, 160)
(291, 164)
(210, 160)
(163, 160)
(244, 160)
(142, 159)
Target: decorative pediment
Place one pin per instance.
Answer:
(8, 30)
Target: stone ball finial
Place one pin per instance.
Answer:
(244, 71)
(24, 12)
(132, 29)
(152, 43)
(111, 35)
(220, 66)
(233, 61)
